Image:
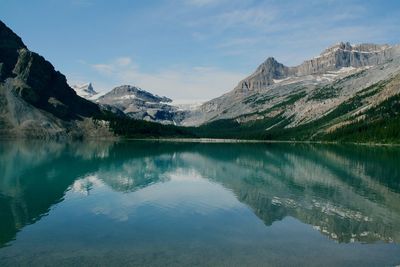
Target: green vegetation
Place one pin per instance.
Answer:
(290, 100)
(315, 129)
(325, 92)
(380, 124)
(131, 128)
(255, 129)
(352, 76)
(255, 100)
(373, 89)
(331, 91)
(230, 128)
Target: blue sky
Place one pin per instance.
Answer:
(190, 49)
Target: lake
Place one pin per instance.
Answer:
(197, 204)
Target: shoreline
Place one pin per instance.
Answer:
(251, 141)
(202, 140)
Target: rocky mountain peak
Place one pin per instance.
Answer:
(275, 69)
(340, 55)
(142, 105)
(343, 55)
(271, 61)
(272, 78)
(347, 47)
(129, 92)
(264, 76)
(90, 87)
(336, 47)
(85, 90)
(271, 66)
(125, 89)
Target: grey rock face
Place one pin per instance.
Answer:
(35, 99)
(140, 104)
(263, 76)
(39, 84)
(318, 85)
(345, 55)
(125, 92)
(334, 58)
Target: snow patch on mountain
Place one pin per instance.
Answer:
(85, 90)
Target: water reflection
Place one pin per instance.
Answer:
(347, 194)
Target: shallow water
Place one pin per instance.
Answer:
(188, 204)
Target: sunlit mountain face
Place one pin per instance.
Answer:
(151, 203)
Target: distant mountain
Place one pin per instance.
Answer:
(347, 93)
(140, 104)
(346, 89)
(85, 90)
(342, 55)
(37, 102)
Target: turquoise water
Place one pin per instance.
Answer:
(188, 204)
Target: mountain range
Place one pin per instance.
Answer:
(142, 105)
(347, 93)
(37, 102)
(342, 91)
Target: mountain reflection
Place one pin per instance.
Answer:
(348, 193)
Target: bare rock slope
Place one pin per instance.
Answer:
(357, 77)
(142, 105)
(35, 99)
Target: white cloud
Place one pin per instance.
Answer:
(104, 68)
(260, 29)
(234, 42)
(114, 66)
(251, 18)
(242, 32)
(201, 3)
(193, 83)
(255, 16)
(124, 61)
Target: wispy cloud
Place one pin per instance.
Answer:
(252, 17)
(114, 66)
(201, 3)
(292, 30)
(175, 42)
(194, 83)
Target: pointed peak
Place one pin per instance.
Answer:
(337, 46)
(270, 60)
(344, 45)
(270, 64)
(90, 86)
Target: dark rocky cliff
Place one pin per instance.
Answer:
(35, 99)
